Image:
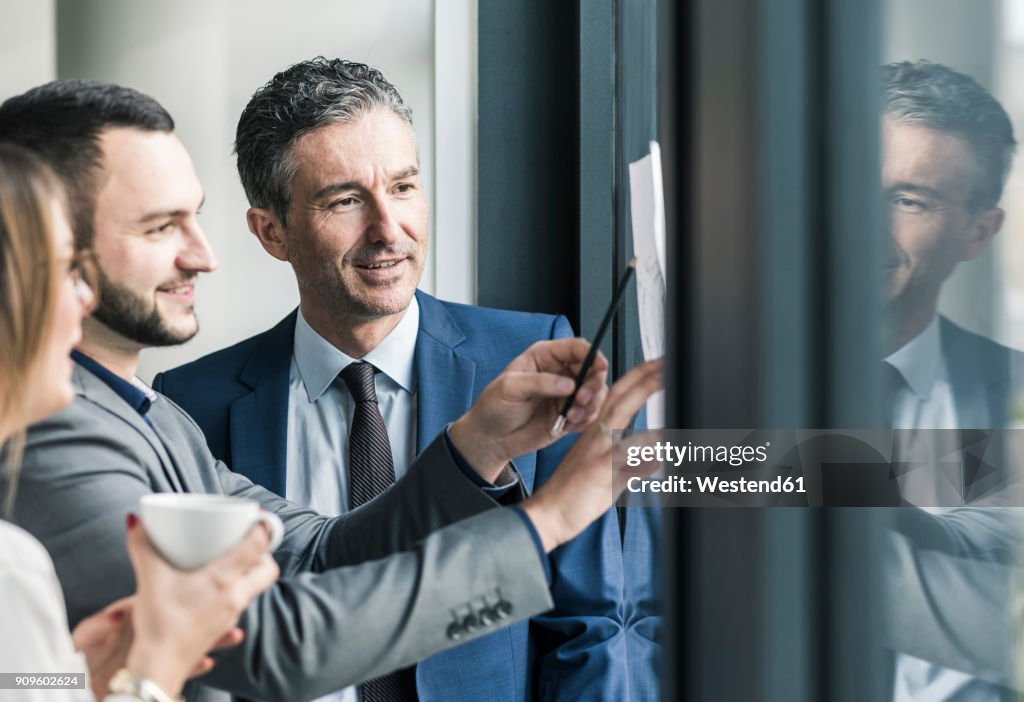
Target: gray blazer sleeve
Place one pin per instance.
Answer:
(434, 492)
(389, 578)
(961, 613)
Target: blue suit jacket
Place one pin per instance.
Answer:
(239, 396)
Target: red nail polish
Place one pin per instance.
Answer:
(131, 520)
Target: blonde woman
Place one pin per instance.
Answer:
(160, 635)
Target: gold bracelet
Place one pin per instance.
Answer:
(128, 682)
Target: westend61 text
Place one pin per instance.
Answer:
(714, 484)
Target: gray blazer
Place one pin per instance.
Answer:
(360, 595)
(952, 582)
(987, 378)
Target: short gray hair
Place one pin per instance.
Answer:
(296, 101)
(937, 97)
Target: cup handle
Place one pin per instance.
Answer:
(275, 526)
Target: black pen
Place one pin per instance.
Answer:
(592, 354)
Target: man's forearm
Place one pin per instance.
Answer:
(432, 494)
(961, 613)
(319, 632)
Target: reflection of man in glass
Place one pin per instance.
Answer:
(946, 151)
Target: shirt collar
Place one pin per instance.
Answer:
(319, 362)
(919, 361)
(136, 393)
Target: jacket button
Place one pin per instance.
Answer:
(455, 631)
(503, 609)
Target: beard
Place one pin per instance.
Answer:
(127, 313)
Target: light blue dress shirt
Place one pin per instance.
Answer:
(926, 402)
(320, 410)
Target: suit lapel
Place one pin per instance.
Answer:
(979, 376)
(259, 419)
(95, 390)
(444, 391)
(444, 379)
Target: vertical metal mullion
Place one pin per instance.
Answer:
(597, 163)
(675, 56)
(636, 124)
(720, 652)
(856, 664)
(790, 599)
(853, 218)
(800, 274)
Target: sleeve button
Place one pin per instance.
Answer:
(470, 623)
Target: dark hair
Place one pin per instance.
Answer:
(296, 101)
(937, 97)
(62, 122)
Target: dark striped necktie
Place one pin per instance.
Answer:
(371, 471)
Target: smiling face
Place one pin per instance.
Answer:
(357, 226)
(148, 242)
(927, 179)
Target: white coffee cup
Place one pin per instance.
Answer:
(190, 530)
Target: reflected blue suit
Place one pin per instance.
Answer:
(643, 603)
(239, 397)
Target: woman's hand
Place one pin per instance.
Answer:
(179, 616)
(587, 482)
(104, 639)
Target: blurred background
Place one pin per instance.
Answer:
(203, 60)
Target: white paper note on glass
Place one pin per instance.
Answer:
(647, 201)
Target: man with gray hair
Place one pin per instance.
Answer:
(947, 145)
(369, 369)
(946, 151)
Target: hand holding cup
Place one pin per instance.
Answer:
(180, 614)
